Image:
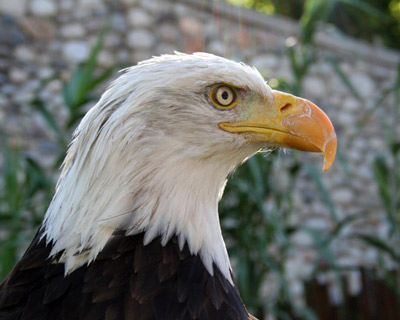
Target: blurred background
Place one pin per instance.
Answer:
(304, 244)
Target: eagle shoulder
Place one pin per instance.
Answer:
(128, 280)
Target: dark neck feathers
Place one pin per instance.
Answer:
(127, 281)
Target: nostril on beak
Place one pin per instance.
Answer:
(286, 107)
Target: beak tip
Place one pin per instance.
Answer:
(330, 153)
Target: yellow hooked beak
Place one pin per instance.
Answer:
(290, 122)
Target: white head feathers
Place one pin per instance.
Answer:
(149, 157)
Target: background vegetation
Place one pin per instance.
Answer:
(256, 209)
(371, 20)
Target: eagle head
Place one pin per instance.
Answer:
(154, 153)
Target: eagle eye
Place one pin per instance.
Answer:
(223, 96)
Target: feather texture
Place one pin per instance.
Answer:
(128, 280)
(150, 157)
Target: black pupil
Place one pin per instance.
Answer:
(225, 95)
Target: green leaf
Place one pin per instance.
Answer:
(379, 244)
(8, 256)
(100, 78)
(323, 192)
(345, 79)
(314, 12)
(366, 8)
(50, 120)
(341, 157)
(258, 177)
(381, 174)
(367, 115)
(306, 313)
(36, 178)
(77, 91)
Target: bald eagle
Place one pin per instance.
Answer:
(133, 231)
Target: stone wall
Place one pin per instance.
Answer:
(42, 40)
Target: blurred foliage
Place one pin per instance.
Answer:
(258, 211)
(289, 8)
(77, 92)
(386, 170)
(366, 19)
(255, 214)
(25, 191)
(25, 187)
